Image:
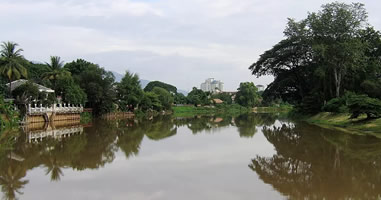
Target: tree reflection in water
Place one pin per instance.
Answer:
(316, 163)
(96, 145)
(11, 180)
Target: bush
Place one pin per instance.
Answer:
(311, 104)
(86, 117)
(8, 115)
(362, 104)
(336, 105)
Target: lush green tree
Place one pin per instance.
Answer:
(331, 51)
(69, 91)
(290, 62)
(362, 104)
(247, 95)
(334, 30)
(197, 96)
(151, 85)
(129, 91)
(12, 63)
(150, 100)
(96, 82)
(180, 99)
(35, 70)
(165, 98)
(56, 70)
(225, 97)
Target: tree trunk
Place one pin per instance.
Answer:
(337, 74)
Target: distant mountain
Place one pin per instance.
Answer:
(118, 77)
(185, 93)
(144, 83)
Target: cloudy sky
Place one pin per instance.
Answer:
(181, 42)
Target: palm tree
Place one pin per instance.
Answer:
(11, 183)
(12, 63)
(56, 70)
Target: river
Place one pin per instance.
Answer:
(253, 156)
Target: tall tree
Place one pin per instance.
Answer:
(12, 63)
(334, 30)
(56, 70)
(129, 91)
(247, 95)
(96, 82)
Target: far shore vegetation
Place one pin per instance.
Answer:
(328, 62)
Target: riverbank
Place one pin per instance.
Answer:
(342, 122)
(183, 111)
(232, 109)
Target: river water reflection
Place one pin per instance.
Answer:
(255, 156)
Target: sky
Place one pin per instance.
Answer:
(180, 42)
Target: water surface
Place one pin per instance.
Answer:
(255, 156)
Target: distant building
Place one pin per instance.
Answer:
(211, 85)
(260, 88)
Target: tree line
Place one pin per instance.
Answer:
(86, 83)
(329, 61)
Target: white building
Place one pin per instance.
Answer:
(211, 85)
(260, 88)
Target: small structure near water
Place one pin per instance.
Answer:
(36, 112)
(55, 112)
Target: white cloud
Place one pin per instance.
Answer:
(205, 38)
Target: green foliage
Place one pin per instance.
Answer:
(55, 71)
(35, 70)
(129, 92)
(331, 51)
(372, 88)
(310, 104)
(12, 63)
(151, 85)
(225, 97)
(180, 99)
(8, 115)
(96, 82)
(197, 96)
(225, 109)
(336, 105)
(165, 98)
(86, 117)
(362, 104)
(70, 91)
(3, 88)
(149, 101)
(247, 95)
(29, 90)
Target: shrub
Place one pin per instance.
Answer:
(362, 104)
(310, 104)
(336, 105)
(8, 115)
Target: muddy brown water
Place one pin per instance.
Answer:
(254, 156)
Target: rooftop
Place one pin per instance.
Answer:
(18, 83)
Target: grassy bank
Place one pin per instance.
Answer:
(233, 109)
(343, 123)
(281, 108)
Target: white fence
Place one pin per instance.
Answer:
(37, 136)
(55, 108)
